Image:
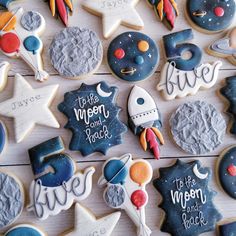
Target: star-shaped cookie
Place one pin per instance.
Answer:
(87, 224)
(115, 13)
(29, 106)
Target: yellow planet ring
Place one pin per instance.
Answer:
(124, 71)
(203, 13)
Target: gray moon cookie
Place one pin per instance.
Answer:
(76, 52)
(197, 127)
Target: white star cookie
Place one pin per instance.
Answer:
(29, 106)
(115, 13)
(87, 224)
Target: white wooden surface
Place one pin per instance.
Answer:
(16, 159)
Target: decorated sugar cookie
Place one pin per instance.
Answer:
(144, 120)
(93, 118)
(228, 91)
(227, 228)
(181, 77)
(166, 10)
(227, 171)
(114, 14)
(4, 68)
(133, 56)
(19, 37)
(87, 224)
(126, 180)
(12, 199)
(24, 230)
(210, 16)
(187, 199)
(29, 106)
(76, 52)
(57, 185)
(61, 7)
(225, 47)
(197, 127)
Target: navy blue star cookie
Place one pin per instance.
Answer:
(187, 199)
(210, 15)
(93, 118)
(132, 56)
(228, 228)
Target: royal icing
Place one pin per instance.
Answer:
(197, 127)
(126, 180)
(225, 47)
(211, 15)
(115, 13)
(87, 224)
(167, 11)
(76, 52)
(3, 137)
(29, 106)
(24, 230)
(93, 118)
(179, 83)
(4, 68)
(61, 8)
(228, 228)
(227, 171)
(19, 37)
(56, 186)
(144, 120)
(228, 91)
(11, 199)
(186, 199)
(132, 56)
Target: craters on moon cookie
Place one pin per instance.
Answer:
(186, 199)
(225, 47)
(229, 92)
(132, 56)
(227, 227)
(185, 76)
(145, 120)
(197, 127)
(87, 224)
(24, 230)
(76, 52)
(166, 10)
(61, 8)
(19, 37)
(57, 185)
(29, 107)
(12, 199)
(227, 171)
(93, 118)
(115, 13)
(126, 180)
(210, 16)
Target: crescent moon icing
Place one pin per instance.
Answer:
(4, 68)
(102, 93)
(198, 174)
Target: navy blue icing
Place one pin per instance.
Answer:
(227, 181)
(229, 92)
(199, 208)
(5, 3)
(3, 137)
(228, 229)
(102, 131)
(210, 21)
(128, 41)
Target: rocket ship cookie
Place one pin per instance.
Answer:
(19, 37)
(126, 180)
(144, 120)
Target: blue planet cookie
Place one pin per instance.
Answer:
(228, 229)
(3, 137)
(187, 199)
(93, 118)
(24, 230)
(227, 171)
(5, 3)
(132, 56)
(211, 15)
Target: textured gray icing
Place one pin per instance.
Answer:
(31, 20)
(75, 52)
(11, 200)
(114, 196)
(197, 127)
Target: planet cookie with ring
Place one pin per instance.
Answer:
(132, 56)
(210, 16)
